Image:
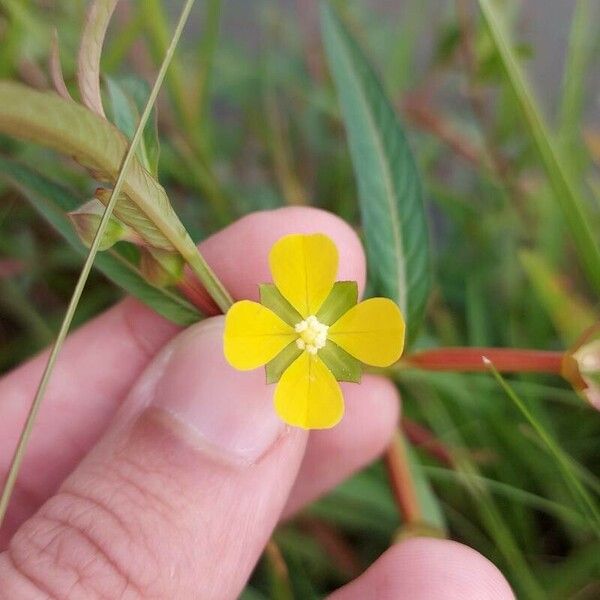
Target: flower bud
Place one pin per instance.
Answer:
(86, 220)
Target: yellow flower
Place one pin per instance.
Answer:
(310, 332)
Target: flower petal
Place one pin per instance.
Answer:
(304, 269)
(372, 331)
(308, 395)
(254, 335)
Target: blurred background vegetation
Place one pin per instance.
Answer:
(249, 120)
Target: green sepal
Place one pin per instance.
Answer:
(343, 296)
(273, 299)
(342, 365)
(275, 368)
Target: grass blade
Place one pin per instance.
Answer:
(62, 334)
(565, 191)
(389, 185)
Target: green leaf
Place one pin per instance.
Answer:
(341, 299)
(127, 97)
(272, 298)
(52, 201)
(388, 182)
(565, 191)
(343, 366)
(281, 362)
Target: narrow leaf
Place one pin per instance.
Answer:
(52, 201)
(565, 191)
(88, 61)
(388, 182)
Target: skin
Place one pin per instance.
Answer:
(156, 471)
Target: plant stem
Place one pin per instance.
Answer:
(401, 481)
(37, 401)
(472, 360)
(423, 438)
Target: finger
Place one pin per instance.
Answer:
(102, 360)
(180, 496)
(424, 569)
(333, 455)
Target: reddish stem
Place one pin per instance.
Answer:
(401, 481)
(471, 359)
(423, 438)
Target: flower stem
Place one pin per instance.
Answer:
(471, 360)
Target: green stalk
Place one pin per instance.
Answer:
(66, 323)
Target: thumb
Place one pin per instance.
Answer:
(178, 499)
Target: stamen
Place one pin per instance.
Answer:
(313, 334)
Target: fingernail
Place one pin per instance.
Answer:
(222, 411)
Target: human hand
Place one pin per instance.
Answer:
(162, 473)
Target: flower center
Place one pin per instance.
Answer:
(313, 334)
